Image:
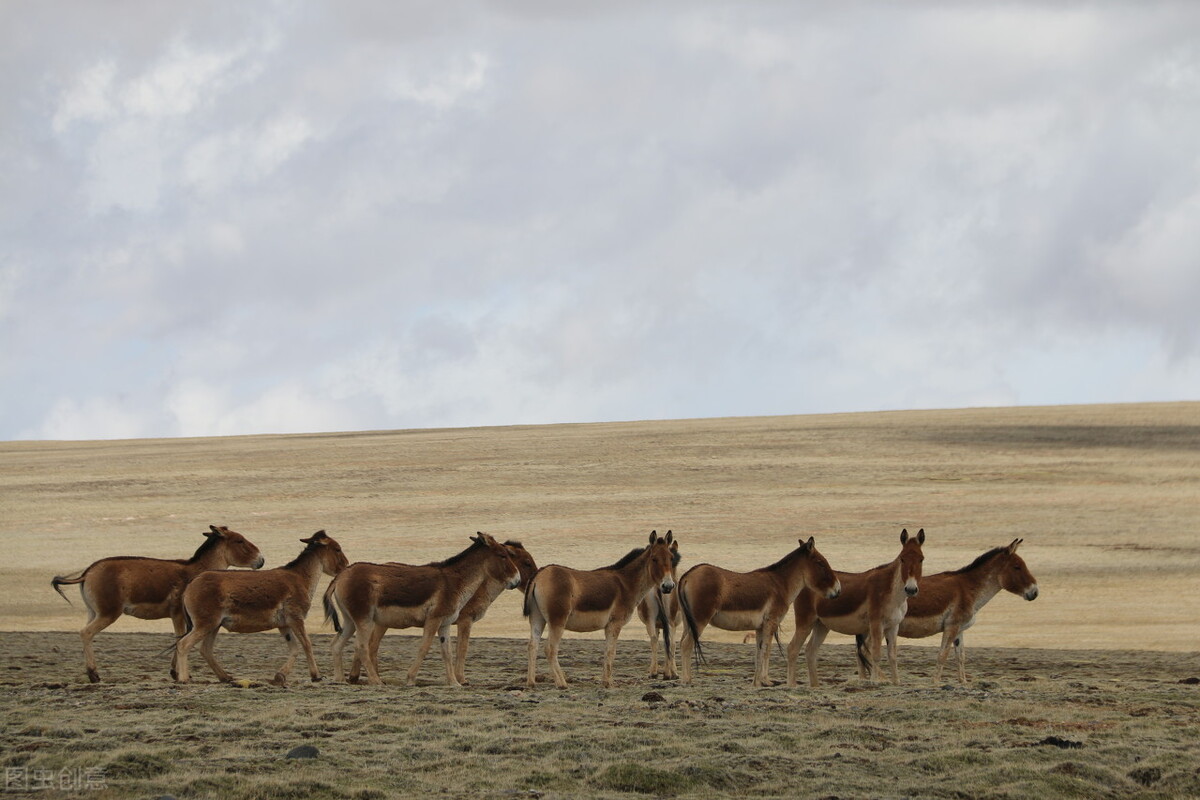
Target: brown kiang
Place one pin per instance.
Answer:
(375, 597)
(151, 588)
(560, 599)
(756, 600)
(949, 601)
(249, 602)
(659, 612)
(872, 603)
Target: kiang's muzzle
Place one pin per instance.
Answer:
(910, 588)
(1031, 593)
(668, 585)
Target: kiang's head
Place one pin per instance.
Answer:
(819, 575)
(660, 561)
(1015, 576)
(236, 550)
(333, 560)
(911, 560)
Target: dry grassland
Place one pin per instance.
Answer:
(1035, 723)
(1107, 499)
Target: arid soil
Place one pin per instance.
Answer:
(1033, 723)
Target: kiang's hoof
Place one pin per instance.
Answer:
(279, 680)
(93, 676)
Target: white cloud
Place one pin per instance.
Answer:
(445, 90)
(90, 97)
(92, 418)
(181, 80)
(235, 219)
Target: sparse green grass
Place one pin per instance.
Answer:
(1135, 723)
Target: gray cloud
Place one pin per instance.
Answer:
(231, 219)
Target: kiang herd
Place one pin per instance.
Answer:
(363, 600)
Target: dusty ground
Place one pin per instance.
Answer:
(1034, 723)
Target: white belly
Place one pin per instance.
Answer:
(737, 620)
(587, 621)
(850, 624)
(396, 617)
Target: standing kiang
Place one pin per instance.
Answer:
(375, 597)
(659, 612)
(150, 588)
(250, 602)
(564, 599)
(756, 600)
(872, 603)
(949, 602)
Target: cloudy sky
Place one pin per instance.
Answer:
(228, 218)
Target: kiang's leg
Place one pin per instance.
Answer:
(206, 649)
(447, 656)
(461, 643)
(536, 625)
(293, 644)
(432, 626)
(96, 623)
(553, 637)
(818, 634)
(612, 632)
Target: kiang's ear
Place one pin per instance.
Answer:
(653, 536)
(214, 531)
(670, 537)
(811, 544)
(921, 536)
(904, 536)
(1012, 548)
(478, 537)
(317, 538)
(674, 547)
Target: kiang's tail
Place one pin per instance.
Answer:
(331, 615)
(664, 622)
(187, 628)
(860, 650)
(59, 581)
(691, 623)
(527, 603)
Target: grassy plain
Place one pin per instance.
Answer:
(1034, 723)
(1107, 499)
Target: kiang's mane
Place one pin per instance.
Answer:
(979, 562)
(625, 559)
(307, 549)
(209, 544)
(475, 543)
(780, 562)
